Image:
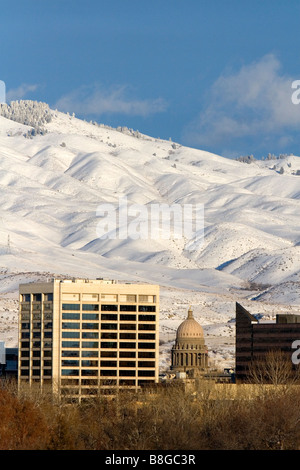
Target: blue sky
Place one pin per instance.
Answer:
(210, 74)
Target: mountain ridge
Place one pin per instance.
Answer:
(53, 182)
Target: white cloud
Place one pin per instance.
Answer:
(97, 101)
(254, 102)
(20, 92)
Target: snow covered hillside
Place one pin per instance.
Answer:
(54, 174)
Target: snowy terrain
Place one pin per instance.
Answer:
(52, 183)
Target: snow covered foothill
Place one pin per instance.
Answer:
(56, 170)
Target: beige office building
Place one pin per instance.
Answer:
(81, 336)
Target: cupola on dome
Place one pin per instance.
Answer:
(190, 328)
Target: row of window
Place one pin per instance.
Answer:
(108, 317)
(35, 363)
(111, 354)
(36, 344)
(37, 297)
(107, 326)
(36, 334)
(114, 364)
(37, 325)
(94, 354)
(70, 382)
(35, 353)
(108, 373)
(107, 345)
(35, 372)
(108, 307)
(104, 335)
(48, 297)
(86, 316)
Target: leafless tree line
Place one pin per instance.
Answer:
(205, 416)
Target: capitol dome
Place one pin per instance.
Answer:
(189, 328)
(189, 350)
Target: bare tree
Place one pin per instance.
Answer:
(274, 368)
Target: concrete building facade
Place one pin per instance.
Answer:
(79, 336)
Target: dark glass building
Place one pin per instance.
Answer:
(254, 339)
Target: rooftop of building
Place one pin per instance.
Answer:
(281, 318)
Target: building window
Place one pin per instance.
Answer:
(108, 373)
(127, 326)
(70, 326)
(88, 363)
(146, 345)
(108, 363)
(89, 335)
(90, 316)
(128, 317)
(127, 308)
(128, 354)
(37, 297)
(24, 353)
(90, 344)
(71, 306)
(108, 344)
(70, 362)
(70, 344)
(70, 353)
(127, 335)
(89, 354)
(147, 308)
(146, 326)
(127, 345)
(111, 308)
(70, 372)
(93, 307)
(146, 373)
(109, 326)
(109, 354)
(107, 316)
(90, 326)
(70, 334)
(146, 336)
(89, 372)
(127, 373)
(127, 363)
(70, 316)
(146, 354)
(146, 317)
(146, 364)
(109, 335)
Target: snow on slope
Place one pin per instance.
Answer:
(51, 186)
